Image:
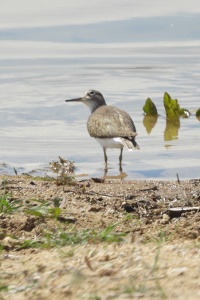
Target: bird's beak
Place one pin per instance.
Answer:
(74, 100)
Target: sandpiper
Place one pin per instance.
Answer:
(110, 126)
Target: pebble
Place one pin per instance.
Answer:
(177, 271)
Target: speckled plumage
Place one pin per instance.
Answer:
(109, 121)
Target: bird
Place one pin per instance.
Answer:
(109, 125)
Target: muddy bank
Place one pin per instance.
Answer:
(94, 239)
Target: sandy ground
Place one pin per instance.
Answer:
(112, 239)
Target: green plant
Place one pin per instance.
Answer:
(43, 210)
(40, 210)
(30, 244)
(61, 238)
(66, 235)
(3, 288)
(149, 108)
(198, 114)
(72, 237)
(108, 235)
(8, 206)
(173, 109)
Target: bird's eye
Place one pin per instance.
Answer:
(92, 93)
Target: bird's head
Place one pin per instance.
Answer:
(93, 99)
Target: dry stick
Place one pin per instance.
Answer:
(154, 188)
(88, 263)
(112, 196)
(95, 193)
(178, 180)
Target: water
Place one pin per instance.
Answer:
(146, 56)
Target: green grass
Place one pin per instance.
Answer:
(3, 288)
(30, 244)
(7, 205)
(64, 237)
(73, 237)
(44, 211)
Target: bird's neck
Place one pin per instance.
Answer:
(93, 105)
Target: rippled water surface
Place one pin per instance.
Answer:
(128, 61)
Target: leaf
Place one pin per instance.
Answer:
(198, 114)
(34, 213)
(39, 211)
(56, 202)
(173, 109)
(149, 108)
(55, 212)
(4, 288)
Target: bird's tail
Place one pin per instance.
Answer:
(130, 143)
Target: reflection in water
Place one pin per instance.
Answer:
(171, 129)
(121, 175)
(149, 122)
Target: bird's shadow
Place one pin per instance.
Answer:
(121, 175)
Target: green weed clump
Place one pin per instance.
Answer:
(73, 237)
(172, 108)
(44, 210)
(68, 236)
(7, 205)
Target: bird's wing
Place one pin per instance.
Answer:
(108, 121)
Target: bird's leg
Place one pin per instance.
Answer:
(120, 160)
(105, 173)
(106, 165)
(105, 159)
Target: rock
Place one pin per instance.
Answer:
(165, 219)
(9, 243)
(177, 271)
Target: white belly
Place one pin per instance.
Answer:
(110, 142)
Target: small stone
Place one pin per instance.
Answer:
(66, 291)
(177, 271)
(32, 183)
(95, 208)
(9, 243)
(105, 257)
(165, 219)
(192, 234)
(106, 272)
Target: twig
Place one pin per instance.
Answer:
(95, 193)
(154, 188)
(178, 180)
(88, 263)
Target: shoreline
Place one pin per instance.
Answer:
(99, 239)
